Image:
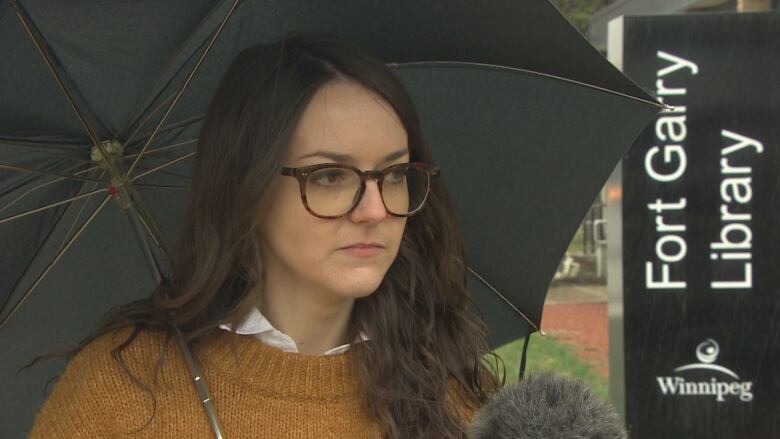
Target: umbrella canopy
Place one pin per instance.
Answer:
(525, 119)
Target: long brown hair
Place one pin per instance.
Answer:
(420, 320)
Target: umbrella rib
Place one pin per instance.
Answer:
(180, 124)
(78, 214)
(163, 148)
(42, 185)
(172, 174)
(162, 186)
(516, 69)
(59, 203)
(161, 152)
(43, 145)
(511, 305)
(161, 155)
(156, 151)
(127, 121)
(146, 119)
(184, 86)
(48, 173)
(45, 242)
(26, 269)
(49, 148)
(162, 166)
(30, 262)
(56, 259)
(45, 52)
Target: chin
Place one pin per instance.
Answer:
(360, 291)
(357, 288)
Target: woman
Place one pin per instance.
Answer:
(319, 279)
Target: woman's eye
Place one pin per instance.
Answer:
(329, 178)
(396, 177)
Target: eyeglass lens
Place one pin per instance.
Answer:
(334, 191)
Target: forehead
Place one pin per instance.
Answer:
(346, 118)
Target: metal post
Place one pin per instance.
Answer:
(614, 217)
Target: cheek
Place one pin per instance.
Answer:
(284, 207)
(397, 229)
(291, 231)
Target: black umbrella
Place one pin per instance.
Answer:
(524, 117)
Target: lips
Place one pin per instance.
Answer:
(364, 245)
(363, 249)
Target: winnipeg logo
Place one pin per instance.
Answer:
(725, 384)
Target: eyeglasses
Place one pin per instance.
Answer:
(332, 190)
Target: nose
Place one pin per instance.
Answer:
(370, 208)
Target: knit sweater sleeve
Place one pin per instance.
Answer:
(82, 399)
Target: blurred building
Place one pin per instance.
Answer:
(597, 32)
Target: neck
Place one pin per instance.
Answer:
(315, 324)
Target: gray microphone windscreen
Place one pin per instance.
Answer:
(546, 406)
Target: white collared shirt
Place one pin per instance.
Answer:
(257, 325)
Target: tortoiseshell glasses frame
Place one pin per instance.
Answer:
(302, 174)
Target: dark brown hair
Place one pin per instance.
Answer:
(420, 320)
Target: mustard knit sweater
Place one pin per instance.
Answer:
(264, 393)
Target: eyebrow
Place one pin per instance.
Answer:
(346, 158)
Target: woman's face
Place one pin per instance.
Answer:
(343, 123)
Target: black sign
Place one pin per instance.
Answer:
(701, 229)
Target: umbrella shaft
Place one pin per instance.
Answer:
(144, 243)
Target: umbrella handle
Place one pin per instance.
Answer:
(200, 385)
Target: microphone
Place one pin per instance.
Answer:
(546, 406)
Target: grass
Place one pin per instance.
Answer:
(547, 354)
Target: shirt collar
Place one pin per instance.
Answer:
(257, 325)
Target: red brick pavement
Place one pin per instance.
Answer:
(584, 327)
